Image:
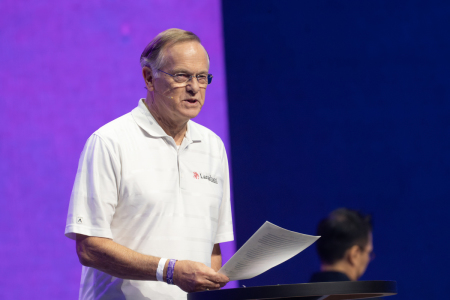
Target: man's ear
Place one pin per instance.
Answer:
(148, 77)
(353, 254)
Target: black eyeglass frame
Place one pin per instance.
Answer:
(210, 76)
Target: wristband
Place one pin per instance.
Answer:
(160, 269)
(170, 269)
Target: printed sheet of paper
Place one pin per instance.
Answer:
(268, 247)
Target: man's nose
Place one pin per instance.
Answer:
(193, 86)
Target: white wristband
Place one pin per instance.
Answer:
(160, 270)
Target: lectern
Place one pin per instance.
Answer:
(304, 291)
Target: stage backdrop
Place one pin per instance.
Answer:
(344, 103)
(67, 68)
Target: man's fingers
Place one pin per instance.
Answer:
(216, 281)
(210, 286)
(219, 278)
(193, 276)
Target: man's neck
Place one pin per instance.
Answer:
(340, 267)
(177, 130)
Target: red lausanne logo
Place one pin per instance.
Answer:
(207, 177)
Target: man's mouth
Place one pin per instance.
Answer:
(191, 100)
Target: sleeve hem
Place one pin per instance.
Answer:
(224, 237)
(72, 231)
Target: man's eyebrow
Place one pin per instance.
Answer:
(177, 71)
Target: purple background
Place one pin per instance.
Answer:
(67, 68)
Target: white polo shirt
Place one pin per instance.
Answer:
(135, 187)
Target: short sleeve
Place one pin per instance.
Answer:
(95, 191)
(225, 226)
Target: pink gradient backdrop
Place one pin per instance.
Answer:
(67, 68)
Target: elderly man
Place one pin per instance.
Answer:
(345, 247)
(151, 199)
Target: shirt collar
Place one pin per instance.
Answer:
(192, 134)
(147, 122)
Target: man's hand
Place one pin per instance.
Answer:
(192, 276)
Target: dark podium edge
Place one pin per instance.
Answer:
(376, 288)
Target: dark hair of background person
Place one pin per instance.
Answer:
(342, 229)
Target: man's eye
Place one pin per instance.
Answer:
(181, 75)
(201, 76)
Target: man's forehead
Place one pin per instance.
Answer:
(186, 54)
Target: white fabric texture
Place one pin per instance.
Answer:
(135, 187)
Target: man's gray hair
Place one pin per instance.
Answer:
(153, 56)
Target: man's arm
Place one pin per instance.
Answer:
(119, 261)
(216, 258)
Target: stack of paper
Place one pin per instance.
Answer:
(268, 247)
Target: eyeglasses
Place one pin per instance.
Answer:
(203, 79)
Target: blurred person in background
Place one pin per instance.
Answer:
(345, 247)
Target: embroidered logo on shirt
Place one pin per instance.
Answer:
(79, 220)
(208, 177)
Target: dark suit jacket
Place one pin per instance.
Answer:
(331, 276)
(328, 277)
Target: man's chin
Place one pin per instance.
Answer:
(191, 113)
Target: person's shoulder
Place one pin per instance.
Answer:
(116, 127)
(115, 133)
